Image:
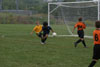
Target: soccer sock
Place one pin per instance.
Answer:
(78, 41)
(43, 40)
(92, 64)
(84, 43)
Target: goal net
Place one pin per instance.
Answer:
(62, 16)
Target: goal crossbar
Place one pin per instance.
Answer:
(78, 7)
(70, 7)
(72, 2)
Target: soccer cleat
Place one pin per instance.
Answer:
(75, 44)
(42, 43)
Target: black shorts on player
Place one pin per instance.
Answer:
(40, 34)
(80, 33)
(96, 52)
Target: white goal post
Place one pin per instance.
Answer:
(72, 5)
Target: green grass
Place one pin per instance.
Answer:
(19, 49)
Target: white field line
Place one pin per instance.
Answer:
(91, 37)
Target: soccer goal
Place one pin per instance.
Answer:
(63, 15)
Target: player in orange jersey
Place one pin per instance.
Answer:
(37, 29)
(96, 49)
(80, 31)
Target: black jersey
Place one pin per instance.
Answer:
(46, 30)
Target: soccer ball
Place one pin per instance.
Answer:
(54, 34)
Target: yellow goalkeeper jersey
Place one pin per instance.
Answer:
(38, 28)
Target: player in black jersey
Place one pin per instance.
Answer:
(46, 30)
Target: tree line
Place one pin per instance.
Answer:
(38, 5)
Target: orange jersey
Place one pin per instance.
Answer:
(80, 25)
(96, 36)
(38, 28)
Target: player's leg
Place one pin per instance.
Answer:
(96, 55)
(83, 41)
(82, 38)
(78, 41)
(44, 38)
(39, 34)
(93, 63)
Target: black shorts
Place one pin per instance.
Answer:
(80, 33)
(44, 34)
(96, 52)
(39, 34)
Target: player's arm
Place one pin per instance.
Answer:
(74, 28)
(51, 30)
(84, 25)
(33, 30)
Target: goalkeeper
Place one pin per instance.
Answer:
(80, 26)
(37, 29)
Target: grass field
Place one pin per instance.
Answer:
(19, 49)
